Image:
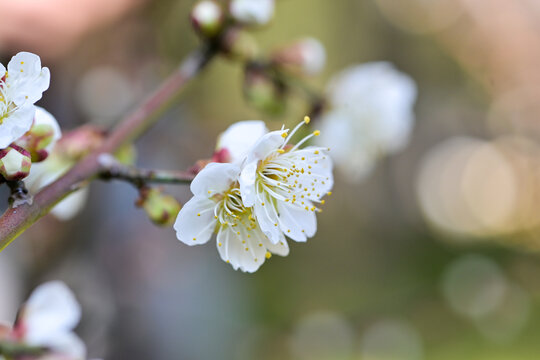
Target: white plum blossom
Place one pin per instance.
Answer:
(252, 12)
(284, 184)
(239, 138)
(21, 85)
(217, 206)
(48, 319)
(371, 115)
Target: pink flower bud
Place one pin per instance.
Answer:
(306, 56)
(15, 163)
(207, 18)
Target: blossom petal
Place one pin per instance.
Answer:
(267, 218)
(281, 248)
(51, 311)
(215, 178)
(242, 252)
(195, 223)
(247, 183)
(266, 144)
(16, 124)
(27, 80)
(297, 222)
(43, 117)
(71, 206)
(68, 345)
(240, 137)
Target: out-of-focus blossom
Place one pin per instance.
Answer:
(371, 115)
(207, 17)
(307, 56)
(47, 321)
(477, 288)
(239, 138)
(391, 340)
(21, 85)
(252, 12)
(42, 136)
(322, 336)
(44, 173)
(283, 182)
(15, 163)
(217, 207)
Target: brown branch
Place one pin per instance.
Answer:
(111, 169)
(16, 220)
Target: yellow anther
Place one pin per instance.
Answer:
(307, 119)
(275, 224)
(194, 239)
(268, 255)
(316, 133)
(247, 249)
(262, 204)
(303, 158)
(307, 208)
(288, 231)
(313, 208)
(219, 244)
(316, 152)
(329, 193)
(260, 244)
(286, 200)
(284, 135)
(209, 191)
(238, 233)
(281, 151)
(199, 214)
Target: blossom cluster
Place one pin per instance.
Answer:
(27, 132)
(44, 326)
(268, 190)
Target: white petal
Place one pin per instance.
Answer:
(51, 311)
(281, 248)
(266, 144)
(314, 56)
(68, 344)
(215, 178)
(252, 11)
(268, 219)
(43, 117)
(240, 251)
(195, 223)
(71, 206)
(27, 80)
(16, 124)
(297, 222)
(240, 137)
(247, 183)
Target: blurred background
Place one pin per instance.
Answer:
(432, 256)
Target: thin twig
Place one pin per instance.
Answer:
(16, 220)
(114, 170)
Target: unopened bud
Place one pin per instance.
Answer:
(42, 136)
(207, 18)
(15, 163)
(78, 143)
(239, 45)
(265, 94)
(252, 12)
(161, 209)
(306, 56)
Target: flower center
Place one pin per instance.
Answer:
(230, 211)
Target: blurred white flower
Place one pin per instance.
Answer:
(371, 115)
(239, 138)
(48, 319)
(217, 207)
(44, 173)
(21, 85)
(283, 182)
(256, 12)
